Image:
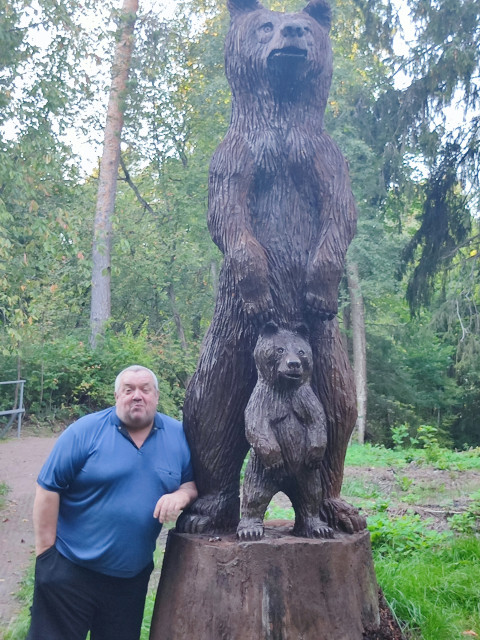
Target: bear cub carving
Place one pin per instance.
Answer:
(286, 427)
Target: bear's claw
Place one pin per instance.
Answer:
(312, 527)
(250, 529)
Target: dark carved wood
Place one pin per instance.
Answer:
(285, 425)
(282, 212)
(278, 588)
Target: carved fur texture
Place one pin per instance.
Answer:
(282, 212)
(286, 427)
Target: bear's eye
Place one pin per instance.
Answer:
(280, 350)
(301, 352)
(267, 27)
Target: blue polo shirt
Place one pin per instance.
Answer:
(109, 488)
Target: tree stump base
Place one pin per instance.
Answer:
(278, 588)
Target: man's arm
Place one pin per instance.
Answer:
(45, 516)
(170, 505)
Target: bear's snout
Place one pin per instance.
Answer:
(293, 30)
(294, 364)
(291, 367)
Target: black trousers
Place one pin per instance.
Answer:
(69, 601)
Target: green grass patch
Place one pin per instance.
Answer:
(401, 535)
(436, 590)
(4, 489)
(368, 455)
(275, 512)
(431, 454)
(18, 628)
(355, 488)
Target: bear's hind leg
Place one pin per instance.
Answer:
(305, 492)
(258, 490)
(214, 425)
(334, 384)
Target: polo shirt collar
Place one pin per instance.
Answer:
(157, 421)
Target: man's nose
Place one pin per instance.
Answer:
(136, 394)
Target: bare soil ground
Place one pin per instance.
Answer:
(431, 493)
(20, 462)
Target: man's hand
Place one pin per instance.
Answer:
(169, 507)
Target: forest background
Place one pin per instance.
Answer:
(407, 122)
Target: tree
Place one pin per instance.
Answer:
(357, 311)
(102, 235)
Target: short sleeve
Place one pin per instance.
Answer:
(65, 460)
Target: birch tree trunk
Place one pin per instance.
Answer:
(100, 309)
(359, 347)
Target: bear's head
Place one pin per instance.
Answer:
(283, 357)
(279, 56)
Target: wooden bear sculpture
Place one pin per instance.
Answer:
(286, 427)
(282, 212)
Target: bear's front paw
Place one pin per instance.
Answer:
(271, 458)
(250, 529)
(259, 312)
(194, 523)
(321, 306)
(314, 457)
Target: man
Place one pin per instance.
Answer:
(112, 479)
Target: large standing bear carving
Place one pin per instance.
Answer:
(282, 212)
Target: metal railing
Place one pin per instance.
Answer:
(18, 412)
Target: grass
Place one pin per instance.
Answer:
(18, 629)
(435, 591)
(4, 489)
(430, 578)
(378, 456)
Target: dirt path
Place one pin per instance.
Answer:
(20, 462)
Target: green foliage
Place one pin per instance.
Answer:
(4, 490)
(468, 522)
(369, 455)
(379, 456)
(275, 512)
(434, 591)
(400, 435)
(401, 535)
(65, 378)
(18, 627)
(352, 487)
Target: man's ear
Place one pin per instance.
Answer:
(237, 7)
(320, 11)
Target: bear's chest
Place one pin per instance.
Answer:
(284, 199)
(290, 434)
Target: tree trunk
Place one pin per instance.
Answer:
(176, 318)
(359, 346)
(107, 182)
(277, 588)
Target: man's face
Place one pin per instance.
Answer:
(136, 399)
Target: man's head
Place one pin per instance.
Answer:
(136, 396)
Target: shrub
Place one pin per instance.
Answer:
(66, 378)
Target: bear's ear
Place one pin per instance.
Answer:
(321, 11)
(237, 7)
(269, 329)
(302, 331)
